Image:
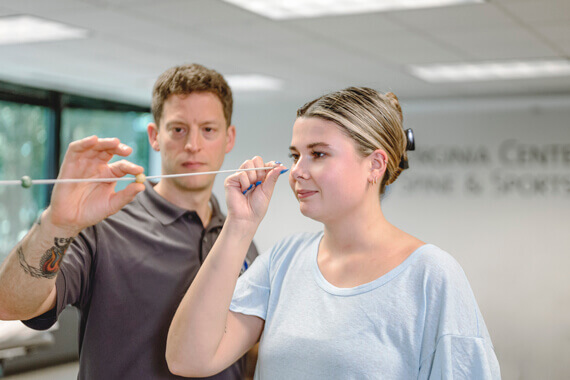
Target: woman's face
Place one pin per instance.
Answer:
(328, 177)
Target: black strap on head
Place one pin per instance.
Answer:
(410, 145)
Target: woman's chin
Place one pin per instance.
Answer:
(309, 213)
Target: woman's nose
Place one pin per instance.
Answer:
(299, 170)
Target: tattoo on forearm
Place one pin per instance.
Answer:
(49, 263)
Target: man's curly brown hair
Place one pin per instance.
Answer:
(185, 79)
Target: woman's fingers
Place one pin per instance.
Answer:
(250, 179)
(271, 177)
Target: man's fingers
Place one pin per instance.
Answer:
(95, 146)
(123, 167)
(125, 196)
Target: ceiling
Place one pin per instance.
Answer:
(130, 42)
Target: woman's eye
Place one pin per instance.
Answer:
(318, 154)
(294, 157)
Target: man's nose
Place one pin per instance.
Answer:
(193, 142)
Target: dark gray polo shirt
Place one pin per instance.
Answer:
(127, 275)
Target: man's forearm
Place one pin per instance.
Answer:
(48, 262)
(27, 276)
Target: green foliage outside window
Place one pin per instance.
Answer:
(23, 142)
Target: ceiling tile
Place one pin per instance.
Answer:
(498, 44)
(539, 12)
(406, 47)
(374, 24)
(460, 17)
(195, 13)
(37, 7)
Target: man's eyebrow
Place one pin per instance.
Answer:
(313, 145)
(215, 122)
(176, 122)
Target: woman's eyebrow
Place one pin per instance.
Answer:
(313, 145)
(318, 144)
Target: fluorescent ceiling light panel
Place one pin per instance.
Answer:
(288, 9)
(24, 29)
(253, 82)
(486, 71)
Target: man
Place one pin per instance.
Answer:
(126, 266)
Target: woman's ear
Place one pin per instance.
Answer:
(378, 165)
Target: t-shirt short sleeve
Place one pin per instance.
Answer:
(251, 295)
(460, 357)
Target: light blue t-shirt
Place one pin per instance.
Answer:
(418, 321)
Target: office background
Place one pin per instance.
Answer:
(489, 181)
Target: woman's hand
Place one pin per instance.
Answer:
(248, 193)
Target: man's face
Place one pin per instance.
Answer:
(192, 137)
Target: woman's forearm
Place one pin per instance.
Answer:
(200, 323)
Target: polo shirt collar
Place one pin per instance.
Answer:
(217, 219)
(167, 212)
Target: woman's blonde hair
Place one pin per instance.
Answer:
(373, 120)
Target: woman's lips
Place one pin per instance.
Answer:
(301, 194)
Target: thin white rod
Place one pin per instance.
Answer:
(77, 180)
(202, 173)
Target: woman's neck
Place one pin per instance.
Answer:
(361, 230)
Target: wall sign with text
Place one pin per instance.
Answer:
(511, 168)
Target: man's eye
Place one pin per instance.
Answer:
(177, 132)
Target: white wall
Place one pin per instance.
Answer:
(509, 227)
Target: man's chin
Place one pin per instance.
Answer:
(194, 184)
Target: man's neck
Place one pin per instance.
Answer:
(192, 200)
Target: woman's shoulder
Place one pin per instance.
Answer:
(431, 255)
(438, 265)
(297, 240)
(292, 245)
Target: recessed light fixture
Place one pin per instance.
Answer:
(24, 29)
(288, 9)
(253, 82)
(484, 71)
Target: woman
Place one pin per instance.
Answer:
(361, 299)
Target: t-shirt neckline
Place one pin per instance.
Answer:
(363, 288)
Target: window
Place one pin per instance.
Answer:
(129, 127)
(36, 126)
(23, 138)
